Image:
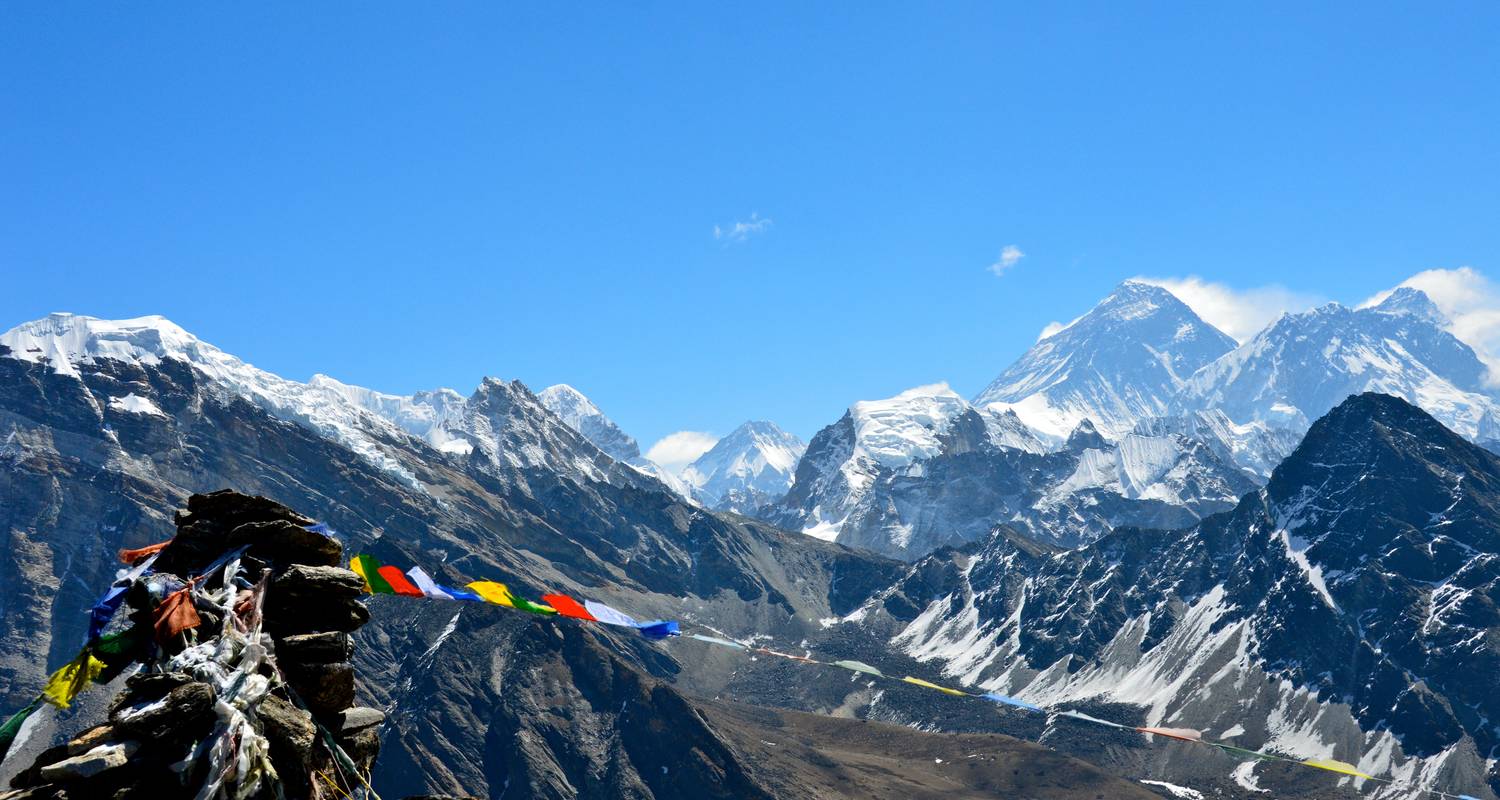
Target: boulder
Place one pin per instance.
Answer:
(301, 583)
(186, 712)
(316, 648)
(90, 764)
(331, 615)
(327, 689)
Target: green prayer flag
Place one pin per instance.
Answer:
(369, 569)
(535, 608)
(119, 650)
(13, 725)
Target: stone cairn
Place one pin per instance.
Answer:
(183, 721)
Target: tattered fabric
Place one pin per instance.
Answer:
(74, 677)
(104, 610)
(175, 614)
(133, 556)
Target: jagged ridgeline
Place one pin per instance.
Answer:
(228, 653)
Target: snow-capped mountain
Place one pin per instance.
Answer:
(923, 469)
(1304, 364)
(1348, 610)
(503, 420)
(750, 467)
(127, 419)
(1121, 362)
(580, 414)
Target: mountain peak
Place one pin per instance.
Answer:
(579, 413)
(65, 340)
(1122, 361)
(750, 467)
(1406, 300)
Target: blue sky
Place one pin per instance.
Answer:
(703, 214)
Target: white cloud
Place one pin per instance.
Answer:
(1054, 327)
(1469, 300)
(677, 450)
(1010, 255)
(1241, 313)
(742, 230)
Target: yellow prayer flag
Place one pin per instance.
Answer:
(1341, 767)
(66, 683)
(497, 593)
(943, 689)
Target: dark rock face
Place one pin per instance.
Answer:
(571, 715)
(1360, 587)
(164, 712)
(958, 495)
(81, 479)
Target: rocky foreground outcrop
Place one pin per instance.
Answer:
(257, 697)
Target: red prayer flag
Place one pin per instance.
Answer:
(133, 556)
(399, 582)
(568, 607)
(1184, 734)
(175, 614)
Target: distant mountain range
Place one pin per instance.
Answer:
(1140, 517)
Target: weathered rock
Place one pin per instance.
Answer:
(362, 747)
(90, 764)
(147, 686)
(287, 543)
(91, 738)
(184, 713)
(327, 689)
(301, 583)
(356, 719)
(316, 648)
(293, 736)
(335, 615)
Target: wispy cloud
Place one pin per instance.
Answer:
(741, 230)
(677, 450)
(1010, 255)
(1469, 300)
(1241, 313)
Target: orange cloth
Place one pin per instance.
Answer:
(134, 556)
(175, 615)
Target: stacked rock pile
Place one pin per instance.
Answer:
(255, 698)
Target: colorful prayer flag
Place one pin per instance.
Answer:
(133, 556)
(500, 595)
(104, 610)
(1012, 701)
(12, 726)
(175, 614)
(859, 666)
(72, 678)
(568, 607)
(716, 640)
(943, 689)
(659, 629)
(399, 584)
(431, 588)
(1341, 767)
(1086, 718)
(368, 568)
(1185, 734)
